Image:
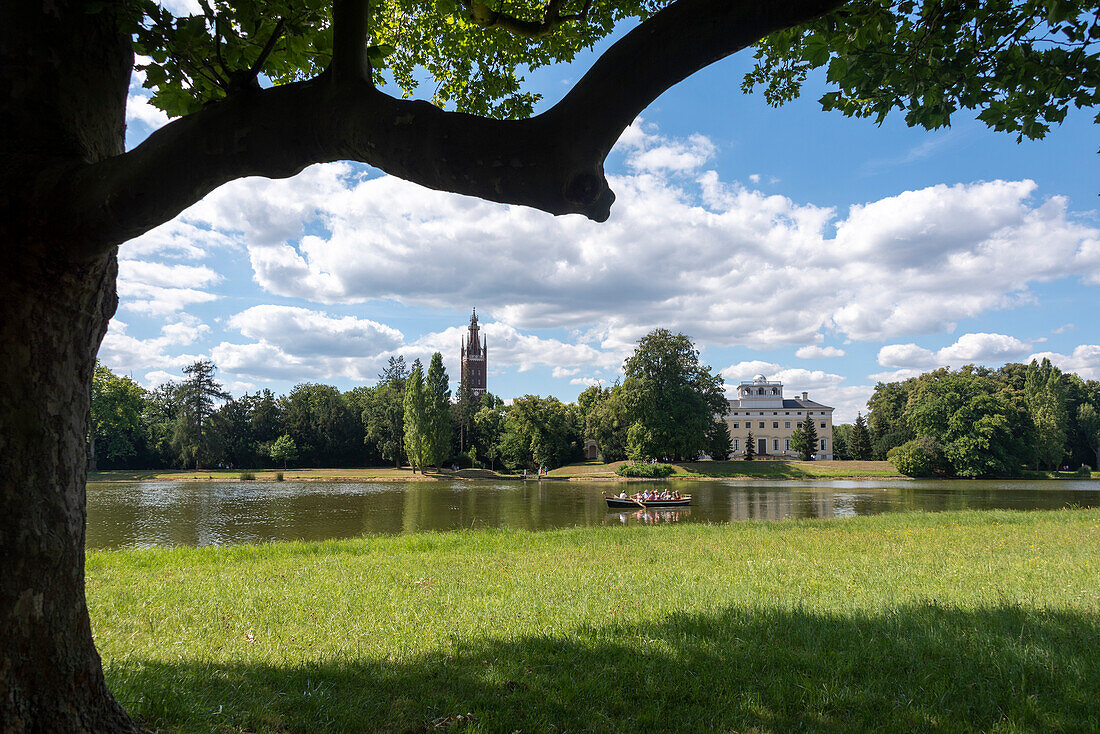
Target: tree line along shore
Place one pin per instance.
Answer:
(1017, 420)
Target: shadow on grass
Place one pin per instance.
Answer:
(915, 668)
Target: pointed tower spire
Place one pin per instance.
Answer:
(473, 358)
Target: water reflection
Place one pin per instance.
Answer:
(126, 514)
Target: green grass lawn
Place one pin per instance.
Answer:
(939, 622)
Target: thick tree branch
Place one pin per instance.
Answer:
(553, 162)
(481, 15)
(350, 28)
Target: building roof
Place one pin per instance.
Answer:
(787, 404)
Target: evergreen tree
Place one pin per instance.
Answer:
(437, 411)
(860, 447)
(415, 418)
(750, 447)
(394, 373)
(196, 396)
(804, 439)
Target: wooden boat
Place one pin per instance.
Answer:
(615, 503)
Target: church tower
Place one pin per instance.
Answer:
(474, 350)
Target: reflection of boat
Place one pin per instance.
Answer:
(617, 503)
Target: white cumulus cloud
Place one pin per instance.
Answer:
(815, 351)
(975, 348)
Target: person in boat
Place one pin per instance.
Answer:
(622, 495)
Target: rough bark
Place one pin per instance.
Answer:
(63, 77)
(52, 318)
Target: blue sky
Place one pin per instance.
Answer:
(824, 251)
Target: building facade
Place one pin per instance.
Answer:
(474, 365)
(761, 409)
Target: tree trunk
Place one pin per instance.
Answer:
(64, 67)
(52, 318)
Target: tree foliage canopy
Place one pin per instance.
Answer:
(988, 422)
(1021, 65)
(670, 398)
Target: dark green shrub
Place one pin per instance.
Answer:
(648, 471)
(921, 457)
(247, 476)
(278, 476)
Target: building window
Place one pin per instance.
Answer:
(799, 413)
(775, 413)
(775, 446)
(788, 446)
(822, 424)
(786, 424)
(761, 424)
(736, 444)
(775, 424)
(823, 444)
(736, 424)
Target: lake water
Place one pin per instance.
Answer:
(140, 514)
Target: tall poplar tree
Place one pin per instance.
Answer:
(437, 412)
(1045, 392)
(415, 417)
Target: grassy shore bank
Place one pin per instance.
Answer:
(947, 621)
(747, 470)
(581, 471)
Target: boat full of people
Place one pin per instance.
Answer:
(648, 498)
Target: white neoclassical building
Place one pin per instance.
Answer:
(761, 409)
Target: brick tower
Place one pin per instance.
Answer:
(474, 351)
